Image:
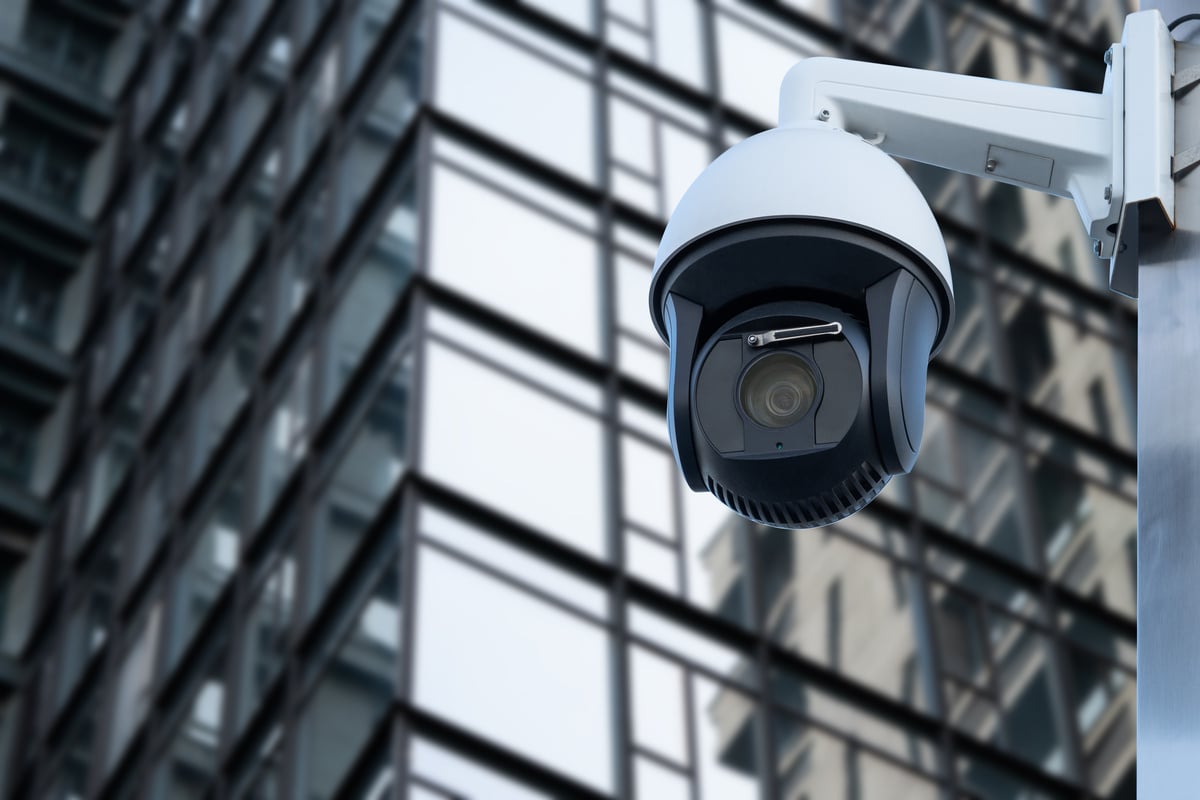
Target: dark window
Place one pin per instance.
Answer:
(37, 157)
(71, 48)
(17, 433)
(29, 296)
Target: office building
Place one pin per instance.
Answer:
(332, 452)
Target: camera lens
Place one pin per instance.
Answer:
(778, 390)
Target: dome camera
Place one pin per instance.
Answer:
(802, 285)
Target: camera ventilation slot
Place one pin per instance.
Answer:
(859, 488)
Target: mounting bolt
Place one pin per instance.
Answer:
(824, 115)
(990, 166)
(1096, 247)
(1108, 56)
(751, 339)
(1108, 192)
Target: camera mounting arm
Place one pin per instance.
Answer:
(1112, 152)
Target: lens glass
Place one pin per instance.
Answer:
(778, 390)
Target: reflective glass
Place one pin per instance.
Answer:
(365, 304)
(970, 485)
(370, 466)
(496, 266)
(1089, 532)
(367, 22)
(314, 112)
(462, 777)
(209, 565)
(666, 34)
(659, 698)
(86, 630)
(691, 645)
(189, 764)
(115, 458)
(715, 548)
(265, 635)
(509, 98)
(173, 351)
(549, 475)
(992, 782)
(754, 52)
(529, 675)
(728, 759)
(970, 344)
(228, 385)
(823, 706)
(285, 438)
(473, 542)
(260, 778)
(244, 230)
(381, 127)
(652, 779)
(134, 681)
(353, 694)
(647, 486)
(849, 609)
(813, 763)
(1069, 371)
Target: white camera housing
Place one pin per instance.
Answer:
(810, 244)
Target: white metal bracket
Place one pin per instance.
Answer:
(1149, 123)
(1109, 152)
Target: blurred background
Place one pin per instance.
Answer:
(333, 460)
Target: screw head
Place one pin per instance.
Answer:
(1108, 192)
(752, 339)
(1096, 246)
(1108, 56)
(990, 166)
(824, 115)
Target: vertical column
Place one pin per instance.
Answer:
(1169, 471)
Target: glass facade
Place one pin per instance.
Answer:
(333, 460)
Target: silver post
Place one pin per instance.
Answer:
(1168, 449)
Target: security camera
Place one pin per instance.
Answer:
(803, 285)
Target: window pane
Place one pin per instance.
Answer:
(190, 764)
(229, 386)
(133, 685)
(812, 763)
(835, 600)
(354, 693)
(476, 543)
(372, 294)
(531, 676)
(209, 565)
(754, 57)
(549, 475)
(369, 468)
(381, 127)
(726, 741)
(456, 773)
(286, 437)
(509, 97)
(659, 697)
(819, 704)
(265, 635)
(515, 257)
(244, 231)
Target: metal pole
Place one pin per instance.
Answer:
(1168, 449)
